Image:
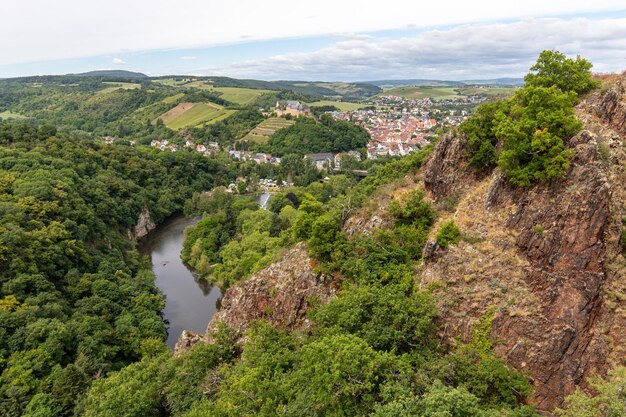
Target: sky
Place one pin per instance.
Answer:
(322, 40)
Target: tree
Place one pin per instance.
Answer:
(554, 69)
(480, 136)
(533, 134)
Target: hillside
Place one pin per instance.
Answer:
(348, 91)
(546, 259)
(538, 269)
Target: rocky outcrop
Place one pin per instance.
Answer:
(539, 256)
(610, 107)
(281, 294)
(144, 225)
(187, 340)
(560, 232)
(447, 171)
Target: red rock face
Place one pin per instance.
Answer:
(447, 171)
(562, 231)
(280, 294)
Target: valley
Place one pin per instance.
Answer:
(181, 246)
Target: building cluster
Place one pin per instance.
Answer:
(206, 149)
(394, 132)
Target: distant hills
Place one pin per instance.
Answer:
(446, 83)
(112, 74)
(337, 90)
(328, 90)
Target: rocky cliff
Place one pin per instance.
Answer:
(546, 259)
(144, 225)
(281, 294)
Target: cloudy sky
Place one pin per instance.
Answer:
(320, 40)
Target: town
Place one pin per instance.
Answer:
(398, 126)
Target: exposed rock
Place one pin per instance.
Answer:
(561, 233)
(361, 224)
(541, 256)
(187, 340)
(611, 107)
(144, 225)
(431, 251)
(447, 171)
(280, 294)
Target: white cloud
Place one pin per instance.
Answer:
(469, 51)
(40, 30)
(188, 58)
(119, 61)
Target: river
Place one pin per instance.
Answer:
(190, 300)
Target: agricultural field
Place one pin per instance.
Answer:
(117, 86)
(6, 115)
(341, 105)
(239, 95)
(266, 128)
(172, 82)
(172, 99)
(473, 90)
(194, 114)
(443, 92)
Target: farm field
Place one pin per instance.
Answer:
(422, 91)
(236, 95)
(172, 99)
(266, 128)
(193, 114)
(442, 92)
(118, 85)
(239, 95)
(9, 115)
(487, 90)
(172, 82)
(341, 105)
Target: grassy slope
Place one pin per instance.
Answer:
(198, 114)
(117, 86)
(239, 95)
(341, 105)
(266, 128)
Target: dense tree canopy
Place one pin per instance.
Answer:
(309, 136)
(75, 300)
(526, 136)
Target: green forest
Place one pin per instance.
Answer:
(76, 299)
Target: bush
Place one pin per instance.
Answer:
(610, 400)
(448, 234)
(412, 210)
(533, 132)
